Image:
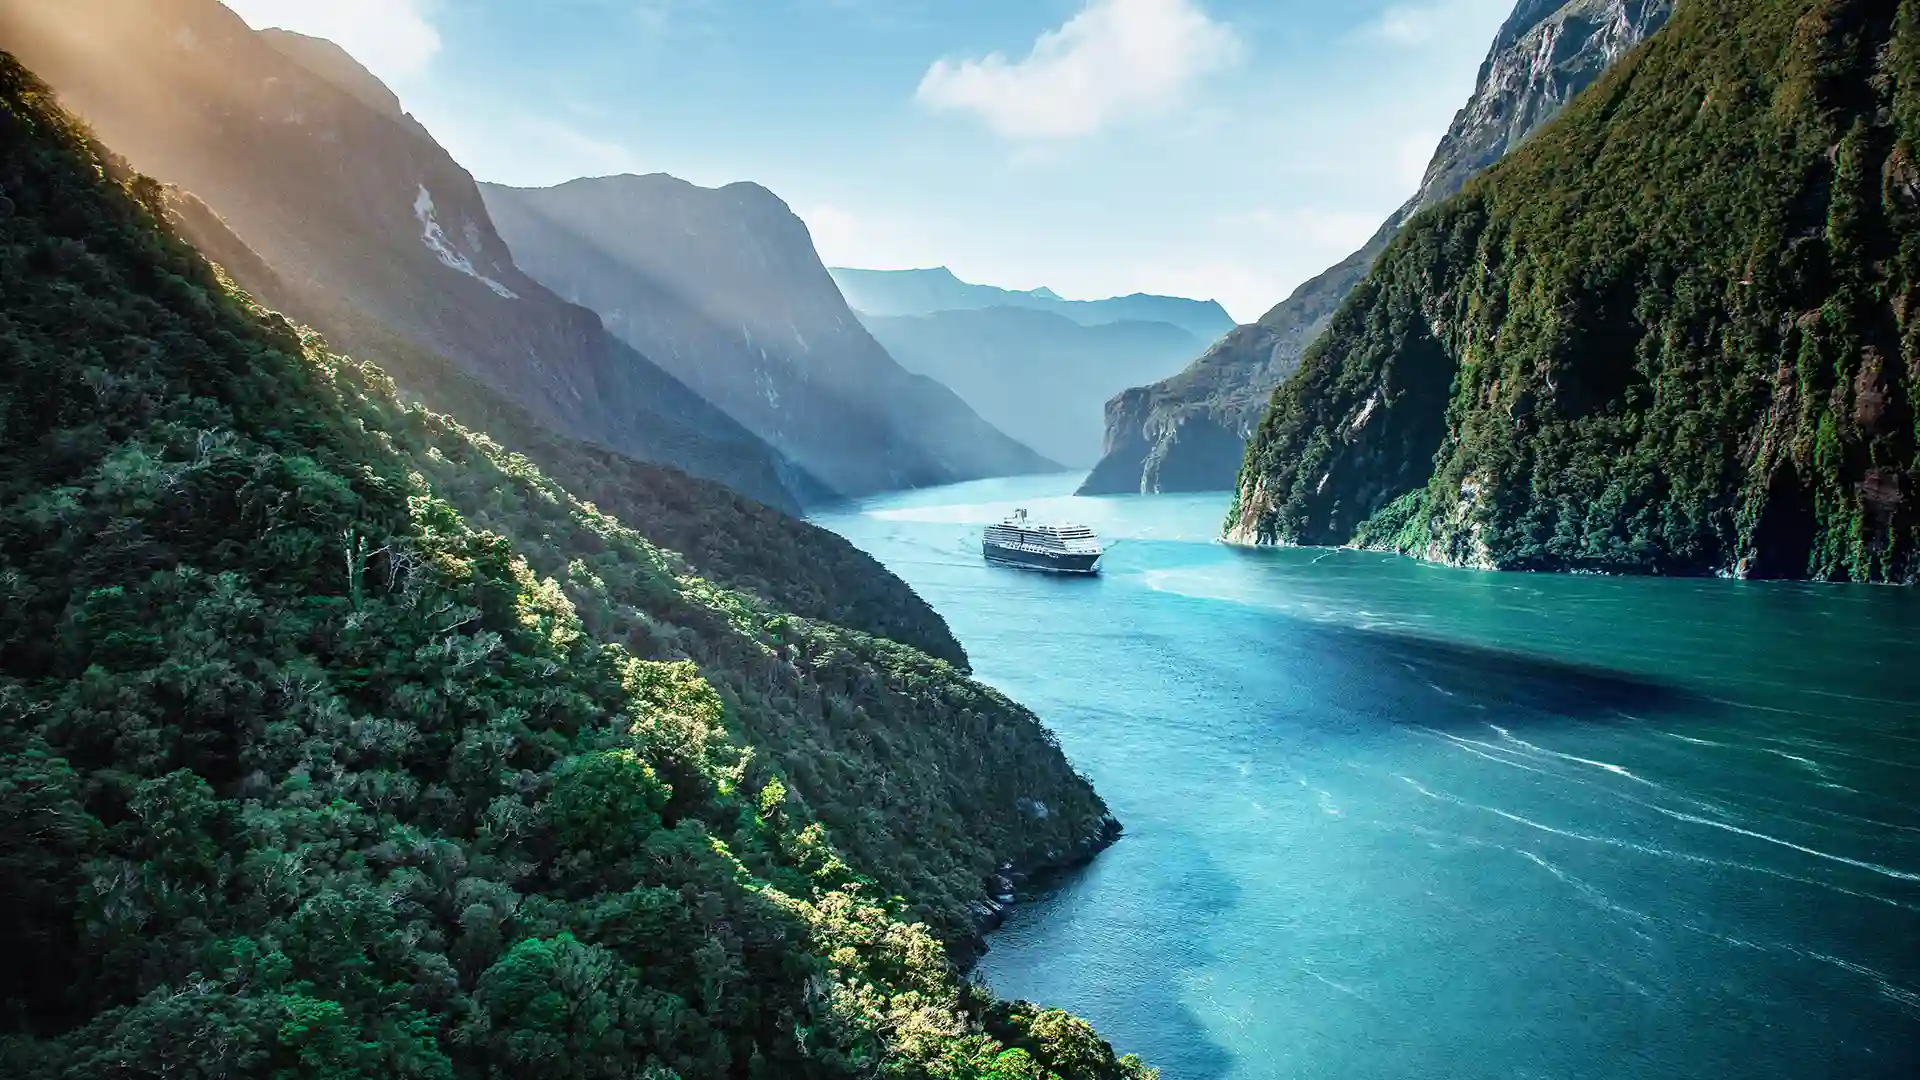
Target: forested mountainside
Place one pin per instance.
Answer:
(1189, 432)
(727, 538)
(337, 740)
(929, 292)
(722, 287)
(1036, 375)
(1674, 333)
(377, 231)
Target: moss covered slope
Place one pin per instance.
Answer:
(1674, 333)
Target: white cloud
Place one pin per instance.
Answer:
(1115, 58)
(393, 38)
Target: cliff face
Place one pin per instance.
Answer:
(379, 236)
(1674, 333)
(723, 288)
(1188, 433)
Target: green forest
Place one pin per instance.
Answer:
(1672, 333)
(339, 740)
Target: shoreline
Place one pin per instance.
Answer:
(1014, 882)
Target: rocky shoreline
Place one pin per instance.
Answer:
(1005, 887)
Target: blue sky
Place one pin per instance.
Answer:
(1211, 148)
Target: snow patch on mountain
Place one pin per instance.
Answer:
(435, 239)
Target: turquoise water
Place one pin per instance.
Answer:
(1386, 819)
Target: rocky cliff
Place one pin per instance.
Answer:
(1674, 333)
(380, 238)
(1188, 433)
(723, 288)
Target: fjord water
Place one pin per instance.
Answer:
(1388, 819)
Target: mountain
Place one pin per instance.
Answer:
(1674, 333)
(337, 66)
(723, 289)
(338, 740)
(928, 292)
(727, 538)
(1189, 432)
(1037, 375)
(380, 237)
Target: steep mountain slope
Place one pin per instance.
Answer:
(388, 234)
(334, 64)
(1036, 375)
(337, 741)
(1189, 432)
(929, 292)
(1674, 333)
(723, 288)
(727, 538)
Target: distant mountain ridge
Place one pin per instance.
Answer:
(380, 237)
(722, 287)
(1033, 373)
(928, 292)
(1189, 432)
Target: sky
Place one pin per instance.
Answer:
(1218, 149)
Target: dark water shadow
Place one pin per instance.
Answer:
(1441, 682)
(1055, 949)
(1549, 685)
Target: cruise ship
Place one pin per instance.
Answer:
(1065, 549)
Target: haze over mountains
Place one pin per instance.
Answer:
(926, 292)
(1188, 433)
(379, 238)
(730, 354)
(337, 66)
(722, 288)
(721, 344)
(1037, 366)
(1037, 375)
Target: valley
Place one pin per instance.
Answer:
(477, 605)
(1033, 364)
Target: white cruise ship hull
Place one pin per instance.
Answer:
(1052, 561)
